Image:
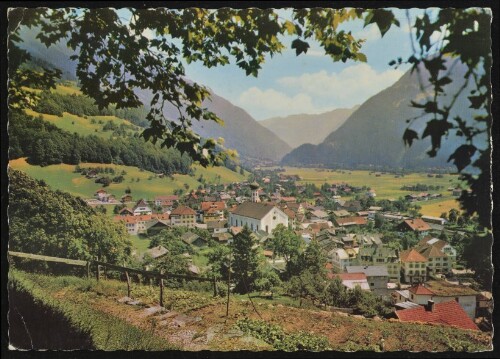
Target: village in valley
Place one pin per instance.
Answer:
(384, 247)
(255, 179)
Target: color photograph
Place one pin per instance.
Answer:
(250, 179)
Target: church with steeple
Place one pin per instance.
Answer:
(257, 215)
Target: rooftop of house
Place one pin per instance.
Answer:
(158, 223)
(341, 213)
(429, 251)
(235, 230)
(253, 210)
(190, 237)
(417, 224)
(346, 221)
(157, 251)
(369, 271)
(412, 255)
(346, 253)
(443, 288)
(182, 211)
(435, 242)
(352, 276)
(205, 206)
(446, 313)
(319, 213)
(420, 289)
(141, 203)
(353, 280)
(167, 198)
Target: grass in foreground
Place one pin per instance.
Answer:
(311, 329)
(106, 331)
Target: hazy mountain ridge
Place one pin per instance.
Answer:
(300, 129)
(372, 136)
(240, 131)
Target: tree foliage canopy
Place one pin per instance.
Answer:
(115, 59)
(57, 224)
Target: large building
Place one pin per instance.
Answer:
(257, 216)
(183, 216)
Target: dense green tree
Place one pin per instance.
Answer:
(379, 221)
(268, 281)
(477, 254)
(307, 274)
(171, 239)
(285, 242)
(53, 223)
(245, 261)
(453, 215)
(219, 260)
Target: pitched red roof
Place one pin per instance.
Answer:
(351, 220)
(412, 256)
(182, 211)
(420, 289)
(417, 224)
(219, 206)
(352, 276)
(446, 313)
(167, 198)
(289, 213)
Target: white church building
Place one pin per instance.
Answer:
(257, 216)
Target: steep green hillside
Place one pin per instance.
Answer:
(149, 185)
(240, 130)
(373, 135)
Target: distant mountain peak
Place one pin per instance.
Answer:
(300, 129)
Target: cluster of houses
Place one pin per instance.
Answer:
(357, 259)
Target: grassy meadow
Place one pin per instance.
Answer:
(387, 186)
(143, 184)
(438, 206)
(83, 126)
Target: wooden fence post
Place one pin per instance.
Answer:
(98, 270)
(161, 289)
(215, 287)
(128, 282)
(88, 270)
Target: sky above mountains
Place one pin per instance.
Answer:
(313, 83)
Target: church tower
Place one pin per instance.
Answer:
(255, 192)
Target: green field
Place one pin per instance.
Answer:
(141, 244)
(64, 178)
(436, 207)
(83, 126)
(386, 186)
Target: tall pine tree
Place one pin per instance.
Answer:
(245, 261)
